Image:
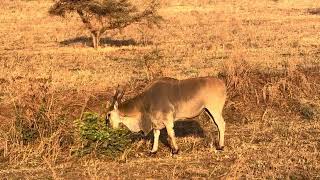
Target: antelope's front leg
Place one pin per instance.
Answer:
(156, 134)
(171, 134)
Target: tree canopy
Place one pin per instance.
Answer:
(100, 16)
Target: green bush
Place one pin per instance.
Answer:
(96, 136)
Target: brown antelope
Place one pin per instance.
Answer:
(167, 100)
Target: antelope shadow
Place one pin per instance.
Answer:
(182, 128)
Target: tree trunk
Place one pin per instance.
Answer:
(98, 39)
(95, 39)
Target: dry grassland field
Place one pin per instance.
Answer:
(267, 52)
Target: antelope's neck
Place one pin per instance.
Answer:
(132, 122)
(130, 113)
(130, 107)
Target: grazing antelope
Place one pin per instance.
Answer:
(167, 100)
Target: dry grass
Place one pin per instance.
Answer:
(267, 51)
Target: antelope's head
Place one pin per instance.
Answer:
(113, 115)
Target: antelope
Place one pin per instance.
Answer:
(167, 100)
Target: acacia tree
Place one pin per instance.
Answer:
(99, 16)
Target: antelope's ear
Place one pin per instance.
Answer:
(108, 105)
(120, 95)
(115, 106)
(116, 91)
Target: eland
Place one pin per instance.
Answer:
(167, 100)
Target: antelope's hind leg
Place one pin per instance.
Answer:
(216, 117)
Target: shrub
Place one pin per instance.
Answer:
(96, 136)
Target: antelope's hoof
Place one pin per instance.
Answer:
(152, 153)
(175, 151)
(220, 148)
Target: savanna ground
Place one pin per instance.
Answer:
(268, 52)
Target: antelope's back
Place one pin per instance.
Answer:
(185, 95)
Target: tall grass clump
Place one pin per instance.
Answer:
(38, 128)
(286, 87)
